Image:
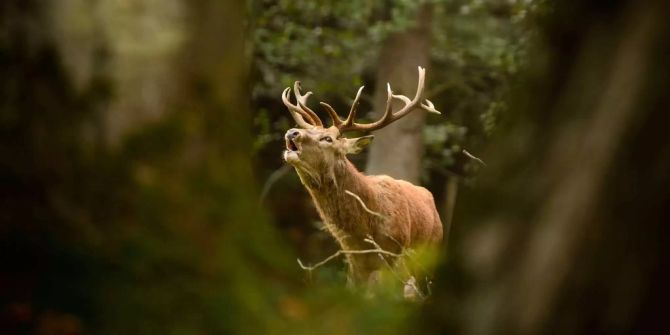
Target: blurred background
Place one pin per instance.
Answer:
(143, 191)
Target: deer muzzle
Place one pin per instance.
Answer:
(292, 139)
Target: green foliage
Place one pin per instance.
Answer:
(478, 48)
(326, 44)
(332, 48)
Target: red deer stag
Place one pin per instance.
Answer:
(318, 153)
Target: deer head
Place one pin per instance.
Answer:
(314, 149)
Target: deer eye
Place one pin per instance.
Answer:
(327, 139)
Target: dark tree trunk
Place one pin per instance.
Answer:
(568, 229)
(117, 239)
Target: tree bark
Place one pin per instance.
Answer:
(398, 148)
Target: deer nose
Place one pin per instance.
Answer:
(292, 134)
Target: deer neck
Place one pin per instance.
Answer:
(341, 212)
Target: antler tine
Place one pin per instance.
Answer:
(354, 106)
(298, 115)
(337, 122)
(409, 104)
(389, 116)
(429, 107)
(306, 118)
(302, 104)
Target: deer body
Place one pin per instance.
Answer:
(399, 215)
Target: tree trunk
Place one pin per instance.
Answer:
(568, 227)
(398, 148)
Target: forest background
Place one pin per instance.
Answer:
(143, 189)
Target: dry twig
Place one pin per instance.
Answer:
(410, 283)
(364, 206)
(465, 152)
(346, 252)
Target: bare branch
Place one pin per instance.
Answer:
(394, 240)
(465, 152)
(370, 240)
(364, 206)
(410, 284)
(346, 252)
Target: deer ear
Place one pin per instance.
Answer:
(356, 145)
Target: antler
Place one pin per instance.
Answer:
(303, 116)
(389, 117)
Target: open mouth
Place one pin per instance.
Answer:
(291, 145)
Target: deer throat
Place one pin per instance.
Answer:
(340, 212)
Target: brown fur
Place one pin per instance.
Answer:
(410, 217)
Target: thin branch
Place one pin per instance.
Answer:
(364, 206)
(409, 282)
(369, 239)
(465, 152)
(377, 250)
(391, 269)
(396, 241)
(346, 252)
